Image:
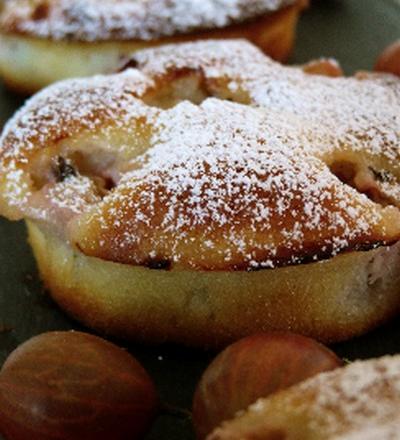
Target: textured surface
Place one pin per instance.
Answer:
(361, 400)
(126, 19)
(202, 176)
(340, 29)
(28, 64)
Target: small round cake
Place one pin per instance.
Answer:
(210, 193)
(42, 41)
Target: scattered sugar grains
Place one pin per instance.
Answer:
(251, 178)
(61, 111)
(363, 397)
(352, 112)
(91, 20)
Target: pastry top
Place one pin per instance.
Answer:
(209, 156)
(359, 401)
(94, 20)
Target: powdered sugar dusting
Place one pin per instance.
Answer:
(360, 401)
(388, 430)
(53, 113)
(219, 184)
(242, 185)
(91, 20)
(360, 113)
(62, 111)
(365, 395)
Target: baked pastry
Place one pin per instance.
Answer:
(360, 401)
(211, 193)
(42, 41)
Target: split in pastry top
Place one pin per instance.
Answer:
(209, 156)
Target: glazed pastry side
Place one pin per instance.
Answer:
(36, 37)
(360, 401)
(211, 193)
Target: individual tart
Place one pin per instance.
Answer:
(210, 193)
(358, 402)
(42, 41)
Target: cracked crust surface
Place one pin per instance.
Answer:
(209, 156)
(206, 192)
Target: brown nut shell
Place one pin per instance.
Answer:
(72, 385)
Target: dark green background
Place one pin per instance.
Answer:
(354, 31)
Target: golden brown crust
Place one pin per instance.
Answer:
(28, 63)
(324, 66)
(190, 173)
(331, 301)
(121, 20)
(164, 180)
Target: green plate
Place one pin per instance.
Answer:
(354, 32)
